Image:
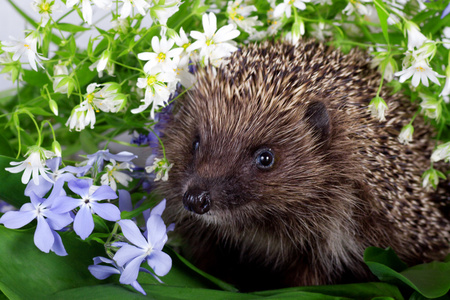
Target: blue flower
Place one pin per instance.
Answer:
(102, 272)
(148, 248)
(84, 223)
(45, 236)
(98, 158)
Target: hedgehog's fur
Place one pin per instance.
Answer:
(334, 189)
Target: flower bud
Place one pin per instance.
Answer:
(56, 148)
(53, 106)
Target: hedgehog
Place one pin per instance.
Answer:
(281, 177)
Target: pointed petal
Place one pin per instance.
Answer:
(43, 236)
(138, 287)
(159, 209)
(83, 224)
(156, 230)
(102, 272)
(132, 233)
(64, 204)
(125, 201)
(106, 211)
(131, 271)
(80, 187)
(58, 221)
(160, 262)
(58, 246)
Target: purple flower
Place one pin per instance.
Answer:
(45, 236)
(98, 158)
(65, 174)
(84, 223)
(102, 272)
(445, 12)
(148, 248)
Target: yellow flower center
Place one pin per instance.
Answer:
(27, 46)
(186, 45)
(420, 69)
(151, 80)
(209, 42)
(45, 7)
(161, 57)
(90, 98)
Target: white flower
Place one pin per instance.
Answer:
(356, 4)
(164, 11)
(7, 67)
(239, 15)
(446, 90)
(113, 174)
(60, 69)
(161, 167)
(286, 7)
(101, 64)
(162, 55)
(156, 90)
(405, 136)
(442, 152)
(140, 5)
(120, 25)
(415, 38)
(87, 9)
(45, 8)
(298, 29)
(182, 74)
(33, 165)
(420, 71)
(82, 115)
(27, 47)
(321, 30)
(432, 107)
(212, 44)
(378, 108)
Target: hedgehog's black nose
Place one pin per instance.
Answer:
(197, 200)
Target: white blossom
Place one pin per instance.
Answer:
(182, 74)
(446, 37)
(45, 8)
(286, 7)
(377, 108)
(358, 6)
(445, 93)
(214, 45)
(239, 14)
(430, 178)
(140, 5)
(161, 167)
(420, 71)
(415, 38)
(33, 165)
(164, 11)
(405, 136)
(114, 174)
(26, 46)
(321, 30)
(431, 107)
(442, 152)
(162, 55)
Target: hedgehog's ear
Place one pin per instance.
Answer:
(318, 118)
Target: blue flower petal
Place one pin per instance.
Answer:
(138, 287)
(132, 233)
(58, 221)
(80, 186)
(160, 262)
(156, 231)
(53, 163)
(106, 211)
(125, 201)
(79, 171)
(35, 200)
(64, 204)
(17, 219)
(102, 272)
(103, 192)
(43, 236)
(159, 209)
(131, 271)
(83, 223)
(122, 156)
(58, 246)
(100, 259)
(154, 276)
(40, 189)
(128, 253)
(445, 12)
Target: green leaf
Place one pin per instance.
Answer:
(35, 78)
(432, 280)
(383, 16)
(28, 273)
(5, 149)
(11, 189)
(71, 28)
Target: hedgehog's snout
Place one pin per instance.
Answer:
(197, 200)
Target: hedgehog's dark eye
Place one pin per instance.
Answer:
(196, 144)
(264, 158)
